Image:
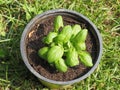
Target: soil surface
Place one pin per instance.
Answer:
(34, 43)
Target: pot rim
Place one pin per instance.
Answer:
(24, 56)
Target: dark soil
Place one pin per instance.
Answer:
(34, 43)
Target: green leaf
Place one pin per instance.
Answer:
(72, 58)
(76, 28)
(55, 53)
(52, 44)
(49, 38)
(85, 58)
(60, 65)
(81, 36)
(80, 46)
(43, 52)
(67, 32)
(59, 39)
(58, 22)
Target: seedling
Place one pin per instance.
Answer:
(68, 42)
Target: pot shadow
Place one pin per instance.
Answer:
(17, 73)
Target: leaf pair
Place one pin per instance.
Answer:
(54, 56)
(64, 35)
(79, 44)
(79, 40)
(85, 58)
(51, 54)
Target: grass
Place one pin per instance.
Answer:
(15, 14)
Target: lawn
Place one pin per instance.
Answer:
(15, 14)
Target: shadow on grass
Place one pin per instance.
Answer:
(13, 72)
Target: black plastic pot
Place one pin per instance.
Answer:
(92, 28)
